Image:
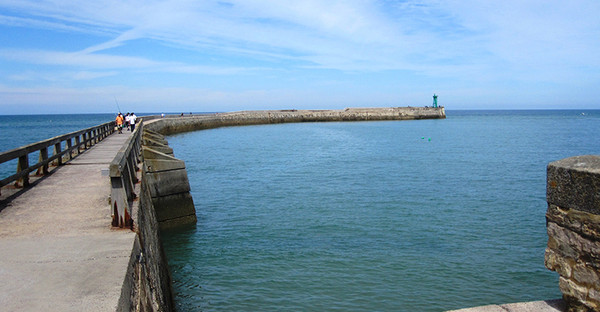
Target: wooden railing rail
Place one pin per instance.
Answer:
(74, 143)
(123, 177)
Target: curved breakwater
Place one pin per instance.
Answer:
(372, 215)
(153, 208)
(167, 126)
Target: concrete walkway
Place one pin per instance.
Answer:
(58, 251)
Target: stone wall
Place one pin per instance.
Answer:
(167, 182)
(147, 285)
(573, 224)
(164, 201)
(187, 123)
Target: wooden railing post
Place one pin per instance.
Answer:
(82, 139)
(78, 143)
(57, 151)
(22, 165)
(69, 148)
(43, 157)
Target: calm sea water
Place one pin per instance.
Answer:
(425, 215)
(20, 130)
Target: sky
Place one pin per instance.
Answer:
(67, 56)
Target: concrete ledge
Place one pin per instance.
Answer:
(557, 305)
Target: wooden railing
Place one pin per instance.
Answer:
(74, 144)
(123, 177)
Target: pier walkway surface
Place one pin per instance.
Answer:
(58, 251)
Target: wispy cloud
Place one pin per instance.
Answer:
(473, 45)
(75, 59)
(60, 77)
(348, 35)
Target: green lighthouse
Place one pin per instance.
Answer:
(435, 100)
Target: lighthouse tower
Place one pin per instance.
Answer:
(435, 100)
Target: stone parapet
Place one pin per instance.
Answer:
(174, 125)
(573, 224)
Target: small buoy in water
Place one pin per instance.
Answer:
(423, 138)
(429, 140)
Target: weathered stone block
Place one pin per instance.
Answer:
(158, 138)
(573, 224)
(158, 165)
(571, 289)
(594, 294)
(174, 207)
(574, 183)
(151, 142)
(155, 161)
(168, 182)
(562, 266)
(564, 241)
(585, 275)
(151, 152)
(585, 223)
(165, 149)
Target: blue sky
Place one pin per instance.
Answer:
(63, 56)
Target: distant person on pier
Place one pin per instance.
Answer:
(119, 121)
(132, 119)
(127, 120)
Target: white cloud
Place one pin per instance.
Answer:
(348, 35)
(76, 59)
(507, 46)
(59, 76)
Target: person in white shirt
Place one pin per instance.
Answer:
(132, 119)
(127, 121)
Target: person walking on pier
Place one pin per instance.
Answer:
(119, 121)
(132, 119)
(127, 122)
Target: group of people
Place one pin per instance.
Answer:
(126, 121)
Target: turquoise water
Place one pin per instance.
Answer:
(364, 216)
(425, 215)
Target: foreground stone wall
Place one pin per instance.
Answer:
(573, 224)
(147, 285)
(168, 126)
(167, 182)
(164, 201)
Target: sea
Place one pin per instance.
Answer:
(423, 215)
